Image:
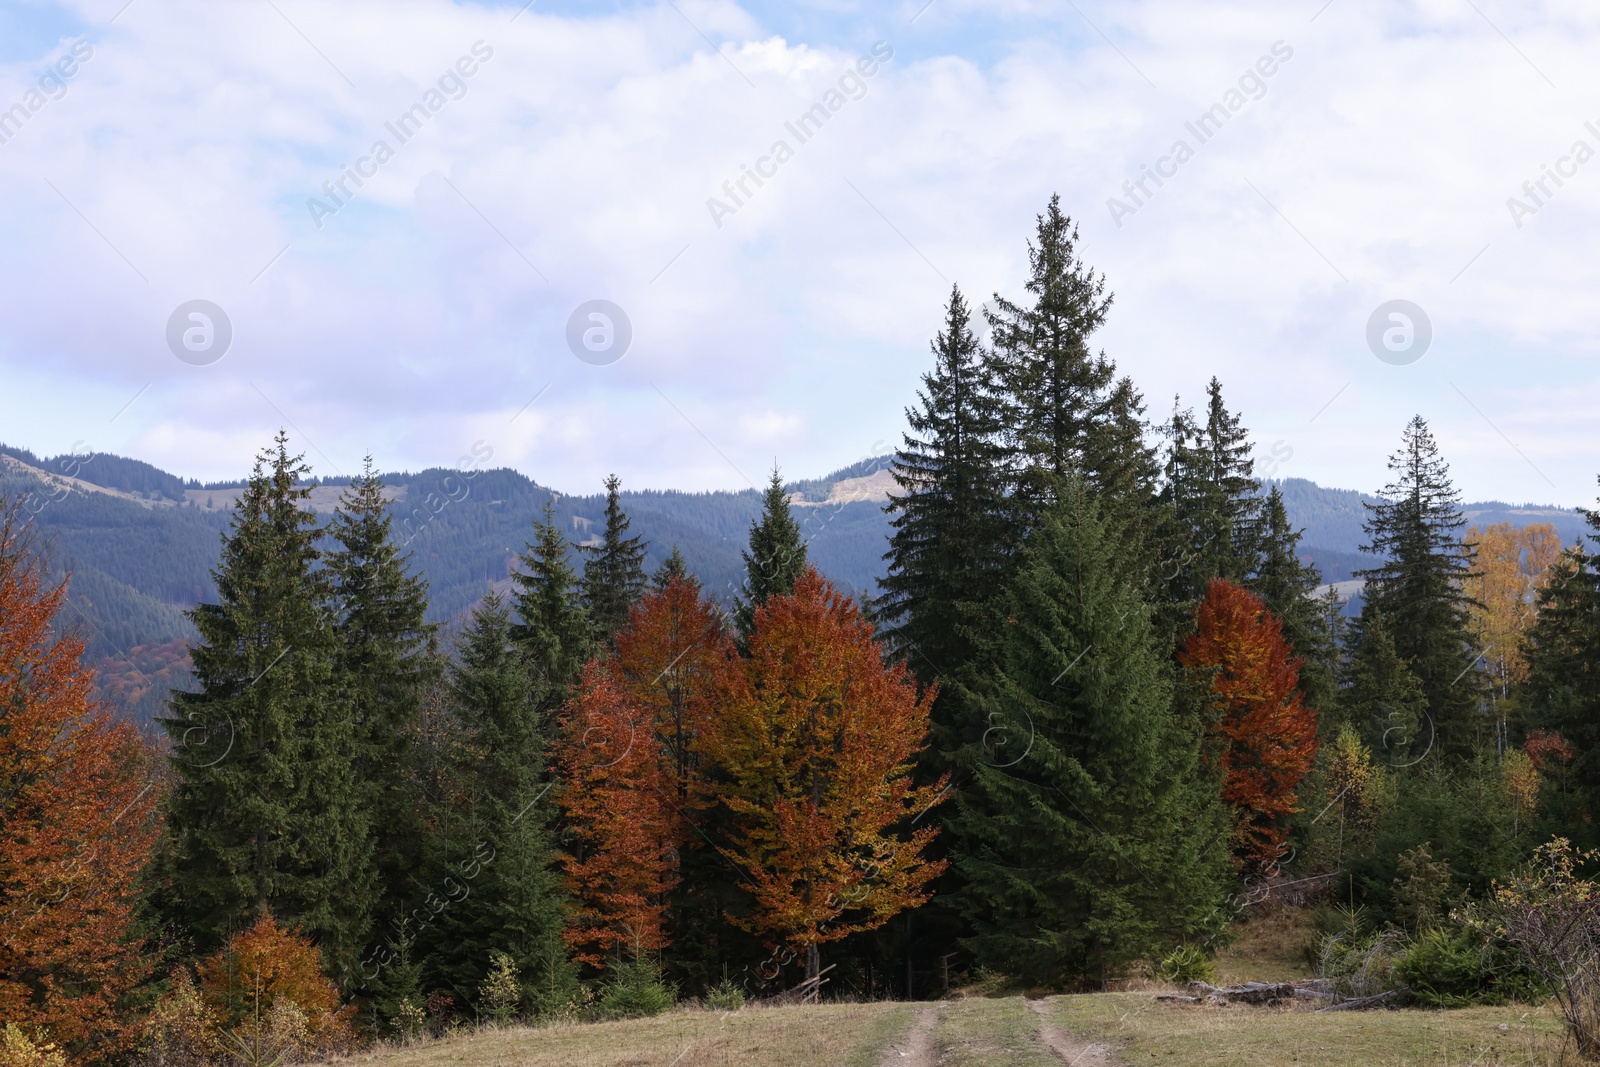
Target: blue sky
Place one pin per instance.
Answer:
(1376, 162)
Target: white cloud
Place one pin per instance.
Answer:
(426, 313)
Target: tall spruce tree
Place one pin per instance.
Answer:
(497, 889)
(555, 632)
(266, 809)
(776, 557)
(1288, 585)
(1562, 692)
(1067, 412)
(947, 552)
(1212, 508)
(1418, 589)
(613, 572)
(674, 566)
(1091, 834)
(386, 661)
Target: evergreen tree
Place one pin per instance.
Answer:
(777, 555)
(555, 631)
(1289, 586)
(266, 810)
(613, 573)
(1091, 834)
(946, 554)
(386, 662)
(1211, 501)
(674, 566)
(1068, 412)
(1418, 587)
(1383, 699)
(1562, 692)
(497, 889)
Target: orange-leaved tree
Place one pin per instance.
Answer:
(267, 971)
(671, 656)
(622, 824)
(1268, 738)
(1511, 564)
(79, 802)
(812, 748)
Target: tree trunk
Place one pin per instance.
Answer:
(813, 962)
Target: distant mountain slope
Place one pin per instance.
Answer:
(140, 543)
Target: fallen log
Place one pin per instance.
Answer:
(1249, 993)
(1360, 1003)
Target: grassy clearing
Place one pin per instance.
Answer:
(1271, 948)
(1143, 1030)
(852, 1035)
(991, 1033)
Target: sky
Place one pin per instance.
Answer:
(421, 288)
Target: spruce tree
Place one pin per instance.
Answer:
(1211, 501)
(613, 573)
(555, 632)
(386, 662)
(266, 809)
(1562, 692)
(1091, 834)
(1067, 411)
(674, 566)
(947, 552)
(1418, 586)
(776, 557)
(1382, 698)
(496, 887)
(1288, 586)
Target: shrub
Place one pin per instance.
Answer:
(1185, 964)
(634, 991)
(17, 1049)
(267, 966)
(1552, 918)
(1450, 967)
(1360, 965)
(180, 1030)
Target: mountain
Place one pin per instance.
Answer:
(140, 543)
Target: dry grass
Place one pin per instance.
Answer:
(1143, 1030)
(980, 1032)
(852, 1035)
(1270, 948)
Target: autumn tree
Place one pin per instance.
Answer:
(79, 796)
(1511, 566)
(1268, 737)
(623, 827)
(266, 972)
(814, 745)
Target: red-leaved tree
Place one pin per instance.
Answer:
(812, 747)
(1268, 738)
(79, 798)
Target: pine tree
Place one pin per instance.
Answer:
(1091, 834)
(266, 810)
(777, 555)
(1069, 414)
(386, 662)
(1562, 692)
(1419, 586)
(555, 631)
(497, 889)
(1288, 585)
(613, 573)
(946, 554)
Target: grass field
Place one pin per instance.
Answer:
(1124, 1028)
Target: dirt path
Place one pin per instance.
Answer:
(917, 1048)
(1073, 1051)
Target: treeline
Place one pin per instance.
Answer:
(1097, 712)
